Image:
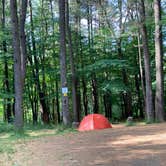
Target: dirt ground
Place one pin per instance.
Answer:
(119, 146)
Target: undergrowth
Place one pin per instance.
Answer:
(5, 127)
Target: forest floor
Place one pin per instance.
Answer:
(141, 145)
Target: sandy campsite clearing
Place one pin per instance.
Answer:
(143, 145)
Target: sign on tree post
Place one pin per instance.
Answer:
(64, 91)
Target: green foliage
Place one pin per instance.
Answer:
(116, 113)
(6, 95)
(103, 64)
(115, 86)
(5, 127)
(95, 51)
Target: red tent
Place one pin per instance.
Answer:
(94, 122)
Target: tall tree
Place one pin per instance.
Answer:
(34, 60)
(95, 98)
(126, 96)
(7, 106)
(159, 98)
(79, 54)
(63, 73)
(141, 74)
(73, 73)
(35, 69)
(148, 86)
(54, 54)
(19, 48)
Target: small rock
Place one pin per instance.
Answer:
(130, 119)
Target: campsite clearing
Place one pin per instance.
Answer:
(141, 145)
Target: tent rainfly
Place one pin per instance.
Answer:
(94, 122)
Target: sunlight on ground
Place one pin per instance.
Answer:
(122, 125)
(30, 133)
(120, 146)
(4, 136)
(131, 140)
(40, 132)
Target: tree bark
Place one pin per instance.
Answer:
(141, 71)
(148, 85)
(159, 98)
(19, 58)
(95, 95)
(139, 106)
(107, 105)
(57, 102)
(23, 51)
(85, 97)
(17, 67)
(63, 73)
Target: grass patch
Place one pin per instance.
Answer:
(6, 148)
(128, 124)
(62, 129)
(38, 126)
(9, 138)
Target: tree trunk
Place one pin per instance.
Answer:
(78, 53)
(139, 107)
(54, 54)
(138, 81)
(85, 98)
(141, 72)
(95, 95)
(107, 105)
(7, 106)
(33, 101)
(57, 102)
(19, 58)
(159, 98)
(23, 51)
(33, 91)
(73, 74)
(148, 86)
(63, 73)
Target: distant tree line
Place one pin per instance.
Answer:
(61, 60)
